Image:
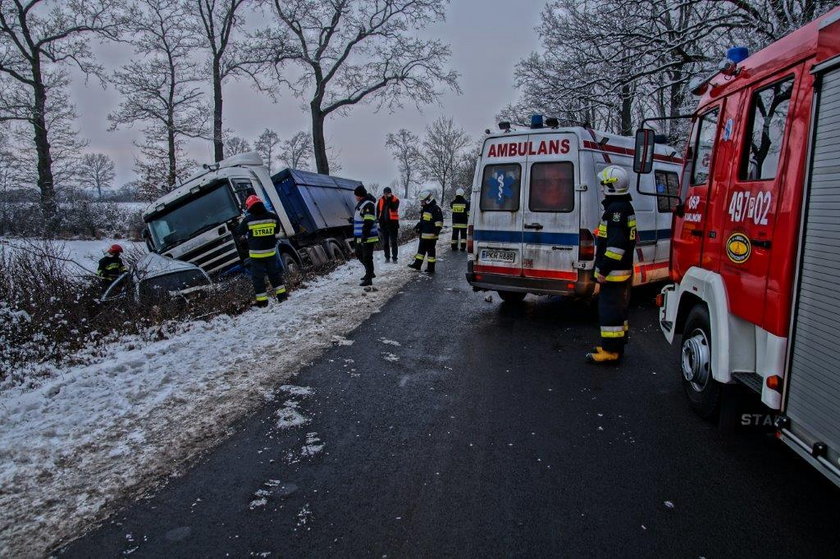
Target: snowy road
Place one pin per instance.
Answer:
(457, 427)
(134, 411)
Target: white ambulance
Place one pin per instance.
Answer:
(536, 205)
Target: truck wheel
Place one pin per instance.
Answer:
(334, 251)
(292, 270)
(702, 390)
(511, 296)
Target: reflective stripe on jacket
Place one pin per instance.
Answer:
(387, 209)
(364, 221)
(460, 212)
(431, 221)
(261, 231)
(616, 240)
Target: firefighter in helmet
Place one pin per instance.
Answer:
(260, 228)
(429, 226)
(111, 266)
(460, 216)
(616, 240)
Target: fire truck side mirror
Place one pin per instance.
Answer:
(645, 146)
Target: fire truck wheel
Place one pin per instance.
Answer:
(511, 296)
(702, 390)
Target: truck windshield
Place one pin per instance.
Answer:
(197, 214)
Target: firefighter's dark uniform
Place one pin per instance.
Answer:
(260, 228)
(616, 241)
(429, 226)
(366, 233)
(110, 268)
(460, 216)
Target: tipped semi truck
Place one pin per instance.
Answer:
(195, 222)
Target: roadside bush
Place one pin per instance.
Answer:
(49, 310)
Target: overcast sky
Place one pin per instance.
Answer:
(487, 38)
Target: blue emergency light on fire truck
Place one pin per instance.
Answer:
(537, 205)
(195, 222)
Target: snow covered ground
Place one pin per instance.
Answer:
(110, 426)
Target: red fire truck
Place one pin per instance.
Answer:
(755, 250)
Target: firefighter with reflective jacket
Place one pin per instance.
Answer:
(615, 244)
(388, 216)
(111, 266)
(460, 216)
(365, 231)
(261, 227)
(429, 226)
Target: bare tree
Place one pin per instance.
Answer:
(296, 152)
(220, 25)
(65, 144)
(39, 38)
(443, 149)
(160, 86)
(352, 51)
(465, 169)
(764, 21)
(267, 145)
(235, 145)
(403, 146)
(97, 171)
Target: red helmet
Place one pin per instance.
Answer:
(115, 249)
(251, 200)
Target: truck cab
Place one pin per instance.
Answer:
(537, 205)
(196, 221)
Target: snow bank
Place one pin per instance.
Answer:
(103, 430)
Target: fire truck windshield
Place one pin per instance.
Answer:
(193, 216)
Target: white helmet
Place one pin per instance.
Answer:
(426, 195)
(459, 192)
(614, 181)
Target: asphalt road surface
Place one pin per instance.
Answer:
(483, 433)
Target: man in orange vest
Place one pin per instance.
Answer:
(387, 213)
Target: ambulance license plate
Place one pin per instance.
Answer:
(497, 255)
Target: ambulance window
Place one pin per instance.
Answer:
(768, 114)
(552, 187)
(701, 163)
(667, 182)
(500, 188)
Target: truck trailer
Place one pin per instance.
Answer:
(755, 253)
(195, 222)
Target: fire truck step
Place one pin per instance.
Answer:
(753, 381)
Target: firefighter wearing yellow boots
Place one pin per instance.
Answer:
(429, 226)
(460, 216)
(616, 241)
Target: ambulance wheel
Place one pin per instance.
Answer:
(292, 271)
(702, 390)
(511, 296)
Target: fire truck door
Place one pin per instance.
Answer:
(746, 211)
(690, 229)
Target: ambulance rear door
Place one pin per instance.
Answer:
(497, 226)
(551, 207)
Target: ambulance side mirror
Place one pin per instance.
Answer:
(645, 147)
